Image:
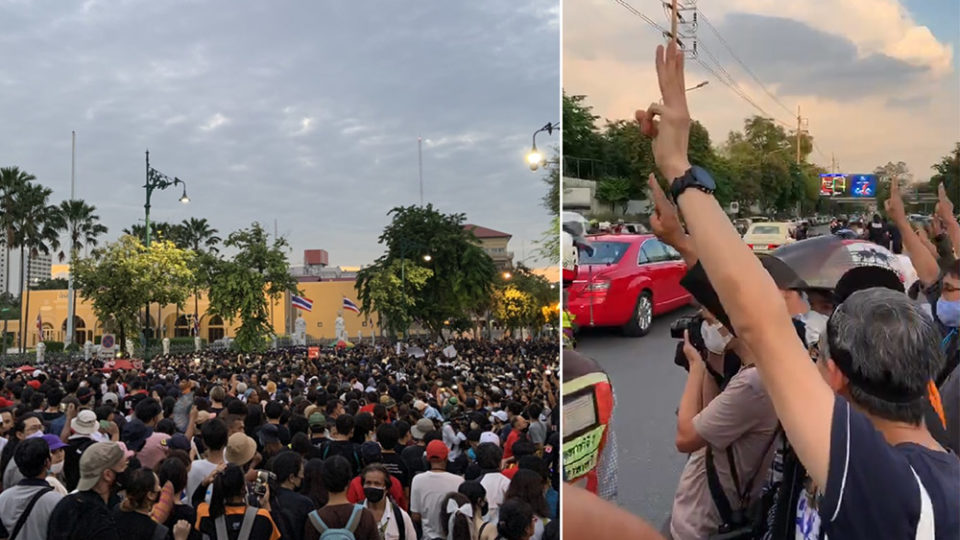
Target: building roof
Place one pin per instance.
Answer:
(483, 232)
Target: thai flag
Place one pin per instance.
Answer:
(348, 304)
(196, 324)
(301, 303)
(40, 326)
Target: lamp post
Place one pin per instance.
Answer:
(406, 246)
(534, 156)
(155, 180)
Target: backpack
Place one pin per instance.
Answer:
(346, 533)
(246, 526)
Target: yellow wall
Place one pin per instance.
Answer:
(327, 298)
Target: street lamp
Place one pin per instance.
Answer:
(156, 180)
(535, 157)
(427, 257)
(507, 276)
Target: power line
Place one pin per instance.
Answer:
(649, 21)
(750, 72)
(732, 85)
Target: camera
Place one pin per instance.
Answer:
(691, 324)
(263, 479)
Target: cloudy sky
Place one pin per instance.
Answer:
(303, 112)
(877, 79)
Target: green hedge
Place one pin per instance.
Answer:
(54, 346)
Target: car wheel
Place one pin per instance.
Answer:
(642, 318)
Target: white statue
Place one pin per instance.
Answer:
(274, 342)
(130, 347)
(300, 331)
(166, 346)
(196, 343)
(359, 337)
(340, 327)
(87, 350)
(41, 347)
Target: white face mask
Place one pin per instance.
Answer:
(713, 339)
(56, 468)
(816, 324)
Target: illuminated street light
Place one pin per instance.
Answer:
(507, 275)
(534, 157)
(427, 257)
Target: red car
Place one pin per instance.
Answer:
(625, 282)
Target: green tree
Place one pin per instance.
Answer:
(537, 288)
(392, 292)
(551, 201)
(198, 235)
(581, 138)
(948, 173)
(513, 308)
(83, 230)
(614, 191)
(38, 234)
(240, 286)
(123, 276)
(13, 181)
(462, 272)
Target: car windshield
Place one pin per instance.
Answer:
(766, 229)
(604, 253)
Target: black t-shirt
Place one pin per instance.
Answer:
(874, 489)
(290, 511)
(186, 513)
(71, 460)
(82, 516)
(347, 449)
(134, 525)
(396, 466)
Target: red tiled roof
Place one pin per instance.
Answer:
(483, 232)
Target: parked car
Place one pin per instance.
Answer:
(627, 281)
(764, 237)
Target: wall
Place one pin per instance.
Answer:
(327, 299)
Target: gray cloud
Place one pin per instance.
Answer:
(308, 115)
(802, 60)
(910, 102)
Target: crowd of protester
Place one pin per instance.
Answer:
(807, 412)
(456, 441)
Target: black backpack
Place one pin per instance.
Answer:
(71, 461)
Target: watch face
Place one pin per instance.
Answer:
(703, 178)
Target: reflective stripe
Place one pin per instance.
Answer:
(579, 383)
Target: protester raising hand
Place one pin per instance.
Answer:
(671, 133)
(923, 261)
(945, 211)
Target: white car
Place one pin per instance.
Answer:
(766, 237)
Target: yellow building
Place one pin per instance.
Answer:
(494, 243)
(327, 297)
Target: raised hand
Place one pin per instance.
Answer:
(894, 205)
(665, 221)
(671, 133)
(944, 204)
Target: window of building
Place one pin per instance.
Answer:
(215, 329)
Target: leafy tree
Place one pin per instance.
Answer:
(83, 229)
(536, 287)
(948, 173)
(548, 247)
(551, 201)
(614, 191)
(241, 285)
(392, 292)
(38, 233)
(13, 181)
(580, 136)
(123, 276)
(462, 272)
(885, 173)
(513, 307)
(198, 235)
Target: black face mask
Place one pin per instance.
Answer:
(121, 479)
(374, 494)
(484, 508)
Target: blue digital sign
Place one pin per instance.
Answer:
(863, 185)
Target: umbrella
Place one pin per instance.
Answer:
(28, 369)
(831, 262)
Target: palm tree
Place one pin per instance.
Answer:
(39, 233)
(83, 227)
(197, 235)
(12, 183)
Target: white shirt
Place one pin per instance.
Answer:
(426, 493)
(496, 485)
(388, 520)
(198, 471)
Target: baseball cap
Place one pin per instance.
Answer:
(54, 442)
(35, 384)
(84, 393)
(179, 441)
(318, 420)
(437, 450)
(154, 450)
(421, 428)
(240, 449)
(499, 415)
(269, 433)
(371, 453)
(97, 458)
(110, 397)
(85, 423)
(489, 437)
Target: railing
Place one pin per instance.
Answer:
(587, 168)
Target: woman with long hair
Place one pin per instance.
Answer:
(170, 508)
(132, 516)
(225, 515)
(529, 487)
(312, 485)
(477, 495)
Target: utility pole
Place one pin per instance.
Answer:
(799, 129)
(420, 165)
(71, 308)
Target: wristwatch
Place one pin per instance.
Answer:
(695, 177)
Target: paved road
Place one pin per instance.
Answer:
(647, 386)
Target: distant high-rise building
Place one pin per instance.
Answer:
(40, 269)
